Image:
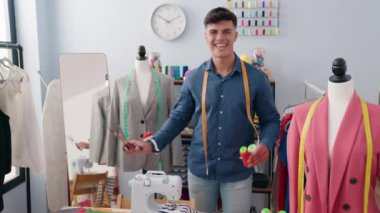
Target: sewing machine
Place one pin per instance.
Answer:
(145, 186)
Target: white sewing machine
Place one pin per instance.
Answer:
(145, 186)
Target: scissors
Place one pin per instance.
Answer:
(126, 146)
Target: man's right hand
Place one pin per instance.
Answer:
(140, 147)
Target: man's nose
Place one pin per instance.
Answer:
(220, 35)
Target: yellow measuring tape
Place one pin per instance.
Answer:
(203, 109)
(204, 118)
(368, 134)
(368, 164)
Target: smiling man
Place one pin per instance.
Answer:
(215, 95)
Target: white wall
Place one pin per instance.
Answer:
(313, 33)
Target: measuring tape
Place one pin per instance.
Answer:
(159, 105)
(125, 107)
(368, 134)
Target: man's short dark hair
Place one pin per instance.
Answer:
(220, 14)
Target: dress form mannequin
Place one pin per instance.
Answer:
(143, 75)
(339, 92)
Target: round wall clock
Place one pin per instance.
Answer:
(168, 21)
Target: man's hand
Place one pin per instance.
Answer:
(138, 147)
(82, 145)
(260, 155)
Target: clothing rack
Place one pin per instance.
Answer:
(312, 91)
(16, 56)
(24, 174)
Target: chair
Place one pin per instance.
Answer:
(125, 202)
(89, 184)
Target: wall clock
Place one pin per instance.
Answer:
(168, 21)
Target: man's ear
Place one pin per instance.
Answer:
(236, 35)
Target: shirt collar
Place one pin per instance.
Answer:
(209, 65)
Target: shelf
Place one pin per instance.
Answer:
(258, 17)
(267, 189)
(253, 8)
(178, 82)
(259, 10)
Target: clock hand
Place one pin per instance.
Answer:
(174, 19)
(167, 21)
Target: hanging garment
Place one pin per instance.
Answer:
(17, 102)
(53, 130)
(5, 152)
(282, 163)
(141, 119)
(99, 115)
(340, 186)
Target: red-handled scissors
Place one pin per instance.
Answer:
(126, 146)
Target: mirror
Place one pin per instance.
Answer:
(85, 97)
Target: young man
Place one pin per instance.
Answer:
(217, 168)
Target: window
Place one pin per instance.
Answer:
(8, 34)
(5, 29)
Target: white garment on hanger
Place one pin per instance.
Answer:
(17, 102)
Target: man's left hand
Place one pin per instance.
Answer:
(258, 156)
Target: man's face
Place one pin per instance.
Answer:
(220, 38)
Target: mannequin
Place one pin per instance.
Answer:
(141, 102)
(339, 92)
(334, 178)
(143, 75)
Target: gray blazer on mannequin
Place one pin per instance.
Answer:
(141, 119)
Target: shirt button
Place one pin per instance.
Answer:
(307, 197)
(221, 96)
(218, 158)
(220, 128)
(221, 112)
(346, 207)
(219, 143)
(142, 121)
(353, 180)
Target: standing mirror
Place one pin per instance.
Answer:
(86, 98)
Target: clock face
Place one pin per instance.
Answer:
(168, 21)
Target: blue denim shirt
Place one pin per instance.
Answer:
(228, 127)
